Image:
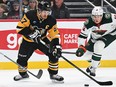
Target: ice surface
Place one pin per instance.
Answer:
(72, 78)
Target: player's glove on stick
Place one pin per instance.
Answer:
(35, 36)
(57, 51)
(80, 51)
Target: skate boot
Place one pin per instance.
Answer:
(91, 70)
(56, 78)
(89, 60)
(19, 77)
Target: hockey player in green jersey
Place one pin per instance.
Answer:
(100, 31)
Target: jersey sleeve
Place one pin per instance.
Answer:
(114, 22)
(53, 32)
(82, 37)
(112, 29)
(83, 34)
(23, 26)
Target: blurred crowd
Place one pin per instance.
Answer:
(14, 9)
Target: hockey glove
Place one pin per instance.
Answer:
(35, 36)
(80, 51)
(57, 51)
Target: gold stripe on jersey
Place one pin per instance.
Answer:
(53, 66)
(53, 32)
(53, 69)
(27, 39)
(53, 63)
(20, 69)
(24, 22)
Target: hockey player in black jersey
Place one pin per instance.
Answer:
(36, 27)
(101, 30)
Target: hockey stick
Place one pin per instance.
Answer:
(38, 76)
(99, 82)
(68, 52)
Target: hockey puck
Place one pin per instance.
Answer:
(86, 85)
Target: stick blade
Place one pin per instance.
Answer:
(105, 83)
(39, 73)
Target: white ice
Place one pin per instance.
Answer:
(72, 78)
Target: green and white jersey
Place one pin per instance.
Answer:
(96, 31)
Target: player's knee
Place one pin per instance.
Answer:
(99, 46)
(88, 54)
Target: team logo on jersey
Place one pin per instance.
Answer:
(107, 15)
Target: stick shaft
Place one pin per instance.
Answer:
(100, 83)
(68, 52)
(19, 65)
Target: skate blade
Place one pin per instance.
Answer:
(58, 82)
(22, 79)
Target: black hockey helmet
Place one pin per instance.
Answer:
(44, 5)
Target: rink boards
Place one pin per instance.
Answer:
(69, 29)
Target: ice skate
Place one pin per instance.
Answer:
(56, 78)
(91, 70)
(90, 60)
(19, 77)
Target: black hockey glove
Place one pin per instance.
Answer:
(57, 51)
(80, 51)
(35, 36)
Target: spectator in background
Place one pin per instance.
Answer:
(8, 3)
(14, 13)
(5, 1)
(32, 4)
(25, 2)
(3, 10)
(25, 6)
(60, 10)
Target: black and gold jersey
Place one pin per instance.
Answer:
(31, 19)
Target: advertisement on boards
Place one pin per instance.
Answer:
(69, 31)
